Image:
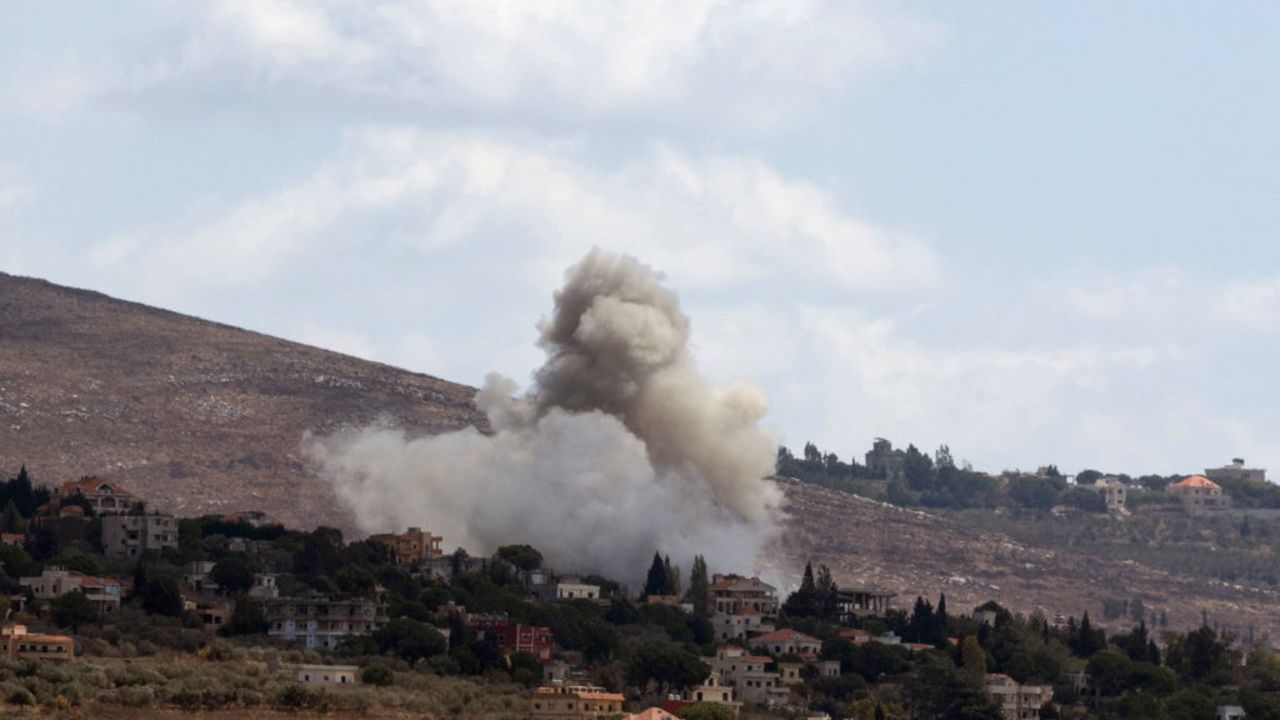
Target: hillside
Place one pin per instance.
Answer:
(912, 552)
(199, 417)
(193, 415)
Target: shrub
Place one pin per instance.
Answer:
(136, 696)
(376, 674)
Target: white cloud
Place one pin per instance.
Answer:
(747, 65)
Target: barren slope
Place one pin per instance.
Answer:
(192, 415)
(912, 552)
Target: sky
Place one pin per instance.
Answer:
(1036, 232)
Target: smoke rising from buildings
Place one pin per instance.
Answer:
(621, 447)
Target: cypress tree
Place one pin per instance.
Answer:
(655, 582)
(698, 586)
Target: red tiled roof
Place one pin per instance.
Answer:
(91, 581)
(673, 706)
(785, 634)
(1198, 481)
(90, 484)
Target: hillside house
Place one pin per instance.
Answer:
(318, 622)
(1199, 495)
(744, 624)
(884, 461)
(198, 581)
(512, 637)
(1114, 493)
(1018, 702)
(412, 547)
(104, 497)
(55, 582)
(853, 603)
(732, 594)
(324, 674)
(788, 642)
(1235, 470)
(443, 568)
(16, 642)
(573, 702)
(132, 535)
(750, 676)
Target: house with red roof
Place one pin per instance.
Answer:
(1199, 494)
(787, 642)
(104, 497)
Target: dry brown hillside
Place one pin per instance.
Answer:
(193, 415)
(199, 417)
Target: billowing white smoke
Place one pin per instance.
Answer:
(620, 448)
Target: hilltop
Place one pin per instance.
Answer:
(195, 416)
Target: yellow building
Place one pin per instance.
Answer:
(573, 702)
(18, 643)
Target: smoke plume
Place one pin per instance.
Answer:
(618, 449)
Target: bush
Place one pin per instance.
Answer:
(377, 674)
(136, 696)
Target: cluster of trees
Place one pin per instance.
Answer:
(815, 598)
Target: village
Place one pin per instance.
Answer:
(87, 553)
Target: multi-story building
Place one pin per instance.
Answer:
(744, 624)
(1236, 470)
(318, 622)
(573, 702)
(132, 535)
(883, 460)
(16, 642)
(411, 548)
(1114, 493)
(199, 581)
(512, 637)
(1199, 494)
(732, 594)
(750, 676)
(55, 582)
(1018, 702)
(104, 497)
(852, 603)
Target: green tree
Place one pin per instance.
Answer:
(973, 662)
(666, 665)
(247, 618)
(410, 640)
(12, 520)
(699, 593)
(524, 557)
(655, 582)
(161, 596)
(73, 609)
(376, 674)
(233, 574)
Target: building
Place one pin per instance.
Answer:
(788, 642)
(852, 603)
(213, 612)
(573, 702)
(1228, 712)
(513, 638)
(750, 676)
(577, 591)
(1236, 470)
(15, 539)
(711, 690)
(653, 713)
(104, 497)
(412, 547)
(443, 568)
(324, 674)
(733, 594)
(16, 642)
(55, 582)
(1018, 702)
(318, 622)
(883, 460)
(739, 626)
(1114, 493)
(1199, 494)
(198, 581)
(132, 535)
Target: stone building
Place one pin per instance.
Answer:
(132, 535)
(1235, 470)
(883, 460)
(412, 547)
(318, 622)
(1199, 495)
(1018, 702)
(16, 642)
(573, 702)
(55, 582)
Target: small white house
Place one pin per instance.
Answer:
(325, 674)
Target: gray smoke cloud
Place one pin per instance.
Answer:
(621, 447)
